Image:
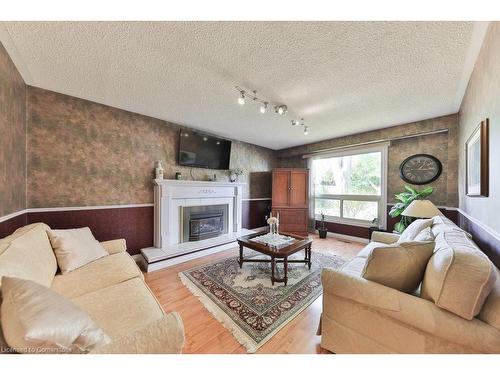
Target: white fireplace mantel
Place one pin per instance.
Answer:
(171, 196)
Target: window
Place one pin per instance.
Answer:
(350, 186)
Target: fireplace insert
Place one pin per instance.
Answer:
(203, 222)
(206, 225)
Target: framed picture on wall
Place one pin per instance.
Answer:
(477, 161)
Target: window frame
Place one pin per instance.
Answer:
(381, 147)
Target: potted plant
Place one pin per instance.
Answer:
(405, 198)
(322, 229)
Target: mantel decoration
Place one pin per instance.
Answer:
(405, 198)
(235, 173)
(280, 109)
(322, 231)
(477, 161)
(159, 170)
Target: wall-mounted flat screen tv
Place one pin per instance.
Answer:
(203, 151)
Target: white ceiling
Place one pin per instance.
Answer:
(342, 77)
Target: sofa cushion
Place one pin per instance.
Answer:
(161, 336)
(75, 248)
(490, 313)
(121, 308)
(425, 235)
(442, 224)
(354, 266)
(414, 229)
(365, 252)
(101, 273)
(400, 266)
(27, 254)
(459, 277)
(35, 319)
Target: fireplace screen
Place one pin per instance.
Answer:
(202, 222)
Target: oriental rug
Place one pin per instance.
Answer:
(245, 301)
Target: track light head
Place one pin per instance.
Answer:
(241, 99)
(263, 107)
(281, 110)
(306, 130)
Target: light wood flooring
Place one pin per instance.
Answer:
(204, 334)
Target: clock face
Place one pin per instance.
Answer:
(420, 169)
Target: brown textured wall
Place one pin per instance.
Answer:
(12, 137)
(482, 100)
(81, 153)
(444, 146)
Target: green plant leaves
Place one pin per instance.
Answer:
(405, 198)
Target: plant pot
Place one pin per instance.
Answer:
(322, 232)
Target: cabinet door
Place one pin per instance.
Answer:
(299, 184)
(292, 221)
(281, 188)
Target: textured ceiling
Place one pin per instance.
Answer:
(342, 77)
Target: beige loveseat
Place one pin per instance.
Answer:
(456, 309)
(111, 289)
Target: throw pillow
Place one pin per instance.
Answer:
(414, 229)
(35, 319)
(425, 235)
(399, 266)
(75, 248)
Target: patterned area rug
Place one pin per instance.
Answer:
(245, 301)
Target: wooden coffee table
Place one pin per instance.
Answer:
(277, 254)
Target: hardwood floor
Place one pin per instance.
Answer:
(204, 334)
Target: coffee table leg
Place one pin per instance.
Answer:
(285, 267)
(272, 270)
(240, 261)
(309, 257)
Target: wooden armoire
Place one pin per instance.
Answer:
(291, 199)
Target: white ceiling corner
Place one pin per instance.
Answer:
(342, 77)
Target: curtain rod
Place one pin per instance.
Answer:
(313, 153)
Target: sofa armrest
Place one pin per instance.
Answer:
(384, 237)
(115, 246)
(164, 336)
(411, 310)
(356, 288)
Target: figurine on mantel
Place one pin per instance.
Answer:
(234, 174)
(159, 170)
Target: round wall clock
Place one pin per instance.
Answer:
(420, 169)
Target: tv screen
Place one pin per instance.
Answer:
(203, 151)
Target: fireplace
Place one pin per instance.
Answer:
(203, 222)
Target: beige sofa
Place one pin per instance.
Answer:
(456, 309)
(111, 289)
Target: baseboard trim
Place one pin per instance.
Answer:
(346, 237)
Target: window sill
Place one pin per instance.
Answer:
(356, 223)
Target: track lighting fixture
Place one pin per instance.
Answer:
(241, 99)
(280, 109)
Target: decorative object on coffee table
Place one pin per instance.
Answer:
(322, 229)
(244, 299)
(405, 198)
(477, 161)
(273, 224)
(277, 254)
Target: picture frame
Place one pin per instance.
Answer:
(477, 161)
